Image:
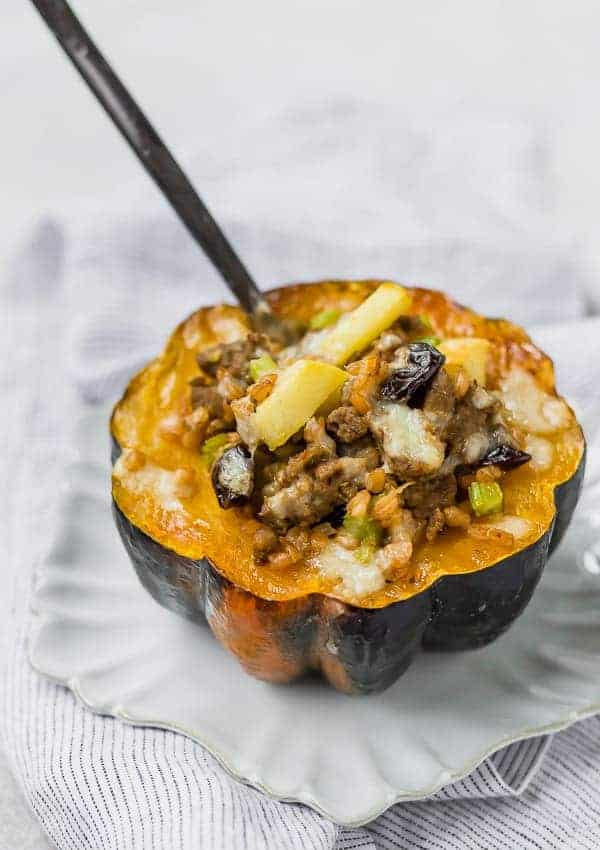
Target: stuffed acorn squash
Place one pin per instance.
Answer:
(394, 478)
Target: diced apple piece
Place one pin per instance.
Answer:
(330, 403)
(469, 352)
(299, 391)
(356, 330)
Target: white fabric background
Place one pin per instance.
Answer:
(95, 783)
(454, 146)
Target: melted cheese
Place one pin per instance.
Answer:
(406, 433)
(515, 525)
(541, 451)
(353, 578)
(149, 481)
(530, 407)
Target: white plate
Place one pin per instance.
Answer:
(99, 633)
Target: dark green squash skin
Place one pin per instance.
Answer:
(358, 650)
(474, 609)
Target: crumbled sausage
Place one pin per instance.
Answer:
(233, 356)
(265, 541)
(428, 494)
(299, 496)
(440, 402)
(472, 431)
(314, 432)
(346, 424)
(207, 397)
(435, 525)
(456, 517)
(363, 448)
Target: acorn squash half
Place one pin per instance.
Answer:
(197, 559)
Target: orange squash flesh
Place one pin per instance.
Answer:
(200, 528)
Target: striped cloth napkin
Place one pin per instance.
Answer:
(87, 301)
(82, 316)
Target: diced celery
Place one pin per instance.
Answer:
(364, 529)
(364, 553)
(485, 497)
(354, 526)
(261, 366)
(324, 319)
(211, 447)
(430, 340)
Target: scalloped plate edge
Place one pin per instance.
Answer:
(73, 684)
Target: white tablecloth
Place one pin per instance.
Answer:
(454, 147)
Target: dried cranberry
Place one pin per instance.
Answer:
(233, 477)
(412, 381)
(505, 457)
